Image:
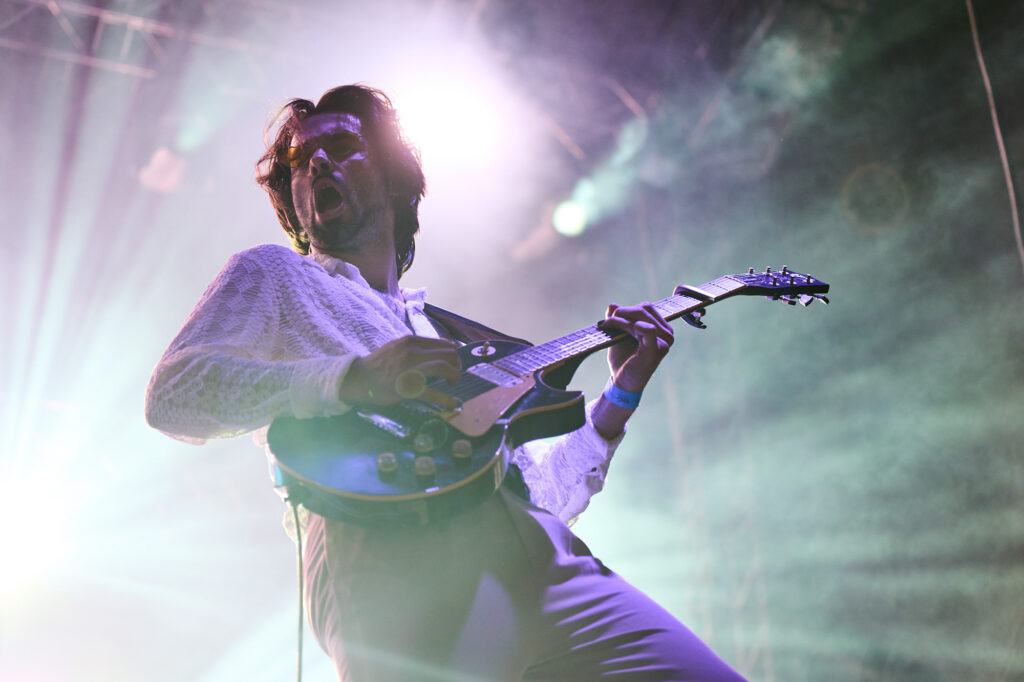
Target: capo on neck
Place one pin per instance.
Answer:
(693, 292)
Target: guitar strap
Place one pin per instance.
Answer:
(468, 331)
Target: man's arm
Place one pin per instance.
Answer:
(562, 476)
(632, 362)
(226, 371)
(251, 351)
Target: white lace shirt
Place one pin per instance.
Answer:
(275, 333)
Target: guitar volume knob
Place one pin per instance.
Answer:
(423, 443)
(387, 465)
(425, 467)
(462, 450)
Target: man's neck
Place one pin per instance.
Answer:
(377, 264)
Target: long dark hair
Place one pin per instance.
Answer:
(398, 159)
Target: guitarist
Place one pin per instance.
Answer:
(502, 592)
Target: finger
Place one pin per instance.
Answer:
(616, 322)
(653, 329)
(448, 356)
(441, 368)
(427, 343)
(658, 318)
(439, 398)
(652, 340)
(625, 320)
(402, 347)
(634, 316)
(644, 311)
(647, 334)
(412, 384)
(612, 307)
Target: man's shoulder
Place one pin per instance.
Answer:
(266, 257)
(266, 265)
(270, 253)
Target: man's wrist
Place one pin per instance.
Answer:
(629, 400)
(350, 388)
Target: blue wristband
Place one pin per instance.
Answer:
(616, 396)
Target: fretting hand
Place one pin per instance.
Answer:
(632, 362)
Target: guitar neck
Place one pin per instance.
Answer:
(592, 338)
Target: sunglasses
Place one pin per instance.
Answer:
(338, 146)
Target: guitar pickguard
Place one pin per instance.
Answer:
(479, 414)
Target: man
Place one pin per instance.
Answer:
(503, 591)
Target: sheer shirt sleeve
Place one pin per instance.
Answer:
(237, 364)
(564, 474)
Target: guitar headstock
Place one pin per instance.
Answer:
(778, 285)
(782, 285)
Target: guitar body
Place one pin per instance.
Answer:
(333, 466)
(414, 463)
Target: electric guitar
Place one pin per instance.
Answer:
(416, 462)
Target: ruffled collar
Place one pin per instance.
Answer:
(411, 299)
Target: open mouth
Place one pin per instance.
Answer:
(327, 198)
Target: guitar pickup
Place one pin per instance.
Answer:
(495, 375)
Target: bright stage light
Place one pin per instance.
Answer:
(468, 128)
(454, 110)
(569, 219)
(31, 537)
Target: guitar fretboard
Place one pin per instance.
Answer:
(590, 339)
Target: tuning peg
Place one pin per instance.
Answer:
(822, 297)
(788, 299)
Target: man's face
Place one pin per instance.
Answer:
(339, 193)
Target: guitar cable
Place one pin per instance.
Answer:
(1007, 173)
(298, 540)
